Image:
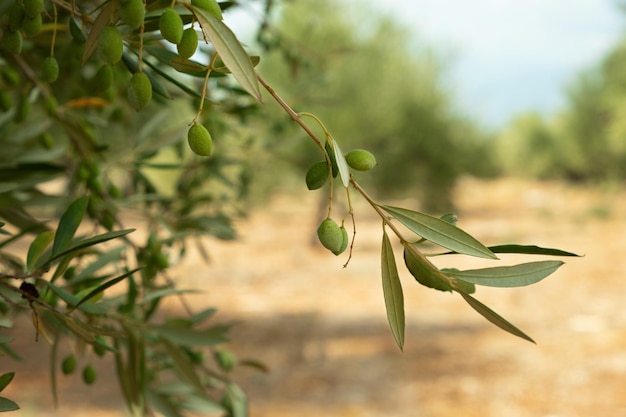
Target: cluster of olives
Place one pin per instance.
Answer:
(332, 236)
(89, 373)
(23, 20)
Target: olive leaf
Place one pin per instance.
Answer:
(392, 291)
(440, 232)
(507, 276)
(494, 317)
(37, 248)
(68, 224)
(230, 51)
(342, 165)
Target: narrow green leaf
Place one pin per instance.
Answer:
(108, 258)
(202, 405)
(508, 276)
(342, 165)
(101, 21)
(424, 271)
(37, 248)
(163, 404)
(238, 400)
(187, 66)
(440, 232)
(5, 339)
(73, 300)
(229, 50)
(530, 250)
(392, 291)
(5, 380)
(193, 337)
(82, 244)
(151, 296)
(8, 405)
(102, 288)
(494, 317)
(183, 366)
(68, 224)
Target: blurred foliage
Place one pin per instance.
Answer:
(375, 87)
(586, 141)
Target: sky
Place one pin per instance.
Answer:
(510, 56)
(506, 56)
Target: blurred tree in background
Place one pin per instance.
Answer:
(585, 141)
(378, 88)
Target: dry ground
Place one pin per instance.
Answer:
(322, 329)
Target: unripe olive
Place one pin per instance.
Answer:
(16, 16)
(12, 41)
(171, 26)
(110, 45)
(68, 365)
(32, 25)
(132, 12)
(330, 235)
(226, 360)
(210, 6)
(361, 160)
(98, 347)
(188, 43)
(200, 140)
(89, 375)
(139, 91)
(50, 69)
(103, 78)
(33, 7)
(317, 175)
(344, 243)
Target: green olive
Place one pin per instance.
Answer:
(330, 235)
(132, 13)
(188, 43)
(361, 160)
(50, 69)
(110, 45)
(139, 91)
(317, 175)
(68, 365)
(171, 26)
(200, 140)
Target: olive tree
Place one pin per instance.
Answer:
(124, 140)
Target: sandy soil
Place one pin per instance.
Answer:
(322, 329)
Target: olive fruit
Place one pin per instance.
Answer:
(132, 13)
(330, 235)
(344, 243)
(226, 360)
(200, 140)
(12, 41)
(110, 45)
(68, 365)
(33, 7)
(361, 160)
(188, 43)
(16, 16)
(139, 91)
(32, 25)
(210, 6)
(89, 375)
(317, 175)
(50, 69)
(171, 26)
(103, 78)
